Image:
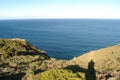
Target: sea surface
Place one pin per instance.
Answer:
(64, 38)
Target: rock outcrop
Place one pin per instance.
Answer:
(17, 46)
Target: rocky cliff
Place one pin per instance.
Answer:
(17, 46)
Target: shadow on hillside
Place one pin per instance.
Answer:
(13, 77)
(33, 53)
(89, 73)
(75, 68)
(28, 53)
(38, 71)
(17, 76)
(4, 64)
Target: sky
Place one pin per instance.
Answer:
(36, 9)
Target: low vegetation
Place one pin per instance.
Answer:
(19, 60)
(16, 46)
(60, 74)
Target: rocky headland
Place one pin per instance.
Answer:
(19, 60)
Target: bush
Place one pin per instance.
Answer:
(59, 74)
(7, 51)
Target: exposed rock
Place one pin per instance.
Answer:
(17, 46)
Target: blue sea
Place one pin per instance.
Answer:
(64, 38)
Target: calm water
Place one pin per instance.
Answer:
(64, 38)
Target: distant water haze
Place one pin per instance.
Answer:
(64, 38)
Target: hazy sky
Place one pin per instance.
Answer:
(18, 9)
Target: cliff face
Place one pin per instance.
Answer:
(17, 46)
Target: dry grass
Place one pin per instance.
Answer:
(106, 58)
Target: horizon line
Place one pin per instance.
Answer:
(55, 18)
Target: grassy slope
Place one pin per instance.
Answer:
(104, 59)
(76, 69)
(12, 47)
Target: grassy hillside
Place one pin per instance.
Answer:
(105, 62)
(104, 59)
(16, 46)
(19, 60)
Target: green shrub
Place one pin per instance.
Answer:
(59, 74)
(7, 51)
